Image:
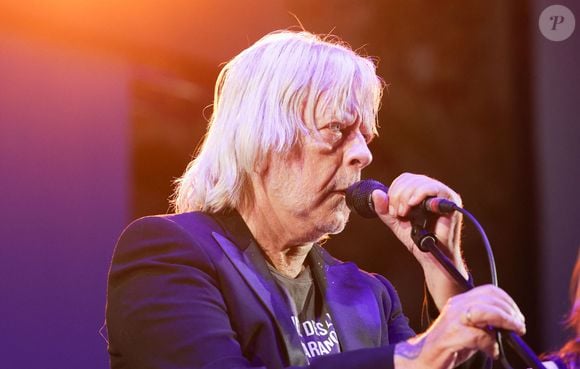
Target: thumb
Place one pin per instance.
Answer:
(380, 202)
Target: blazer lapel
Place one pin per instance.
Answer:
(251, 265)
(351, 302)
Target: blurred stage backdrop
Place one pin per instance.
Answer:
(102, 104)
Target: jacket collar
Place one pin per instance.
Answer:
(350, 300)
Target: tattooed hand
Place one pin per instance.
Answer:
(462, 328)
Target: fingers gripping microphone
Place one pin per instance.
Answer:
(359, 199)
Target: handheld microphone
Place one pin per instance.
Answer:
(359, 199)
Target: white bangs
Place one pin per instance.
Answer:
(350, 89)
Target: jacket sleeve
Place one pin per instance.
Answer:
(165, 309)
(398, 323)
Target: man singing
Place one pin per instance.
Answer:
(237, 278)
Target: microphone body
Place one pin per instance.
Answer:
(359, 199)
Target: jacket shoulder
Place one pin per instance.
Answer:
(186, 236)
(193, 224)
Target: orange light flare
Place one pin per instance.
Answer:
(214, 29)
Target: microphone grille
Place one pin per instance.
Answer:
(358, 197)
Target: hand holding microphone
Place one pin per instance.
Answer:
(463, 325)
(467, 319)
(393, 205)
(408, 193)
(359, 197)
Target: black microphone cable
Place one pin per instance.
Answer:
(492, 269)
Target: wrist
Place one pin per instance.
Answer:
(418, 353)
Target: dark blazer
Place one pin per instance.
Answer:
(194, 291)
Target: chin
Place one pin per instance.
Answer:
(339, 220)
(330, 221)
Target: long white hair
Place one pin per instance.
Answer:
(261, 99)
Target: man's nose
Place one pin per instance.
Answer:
(358, 153)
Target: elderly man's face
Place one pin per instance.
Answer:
(306, 189)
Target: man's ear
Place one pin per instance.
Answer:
(262, 165)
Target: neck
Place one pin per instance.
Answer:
(289, 262)
(284, 251)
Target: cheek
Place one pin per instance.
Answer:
(284, 177)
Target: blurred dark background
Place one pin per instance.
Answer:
(102, 105)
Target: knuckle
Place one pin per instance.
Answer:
(507, 322)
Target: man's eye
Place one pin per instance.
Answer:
(335, 127)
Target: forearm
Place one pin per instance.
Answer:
(440, 283)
